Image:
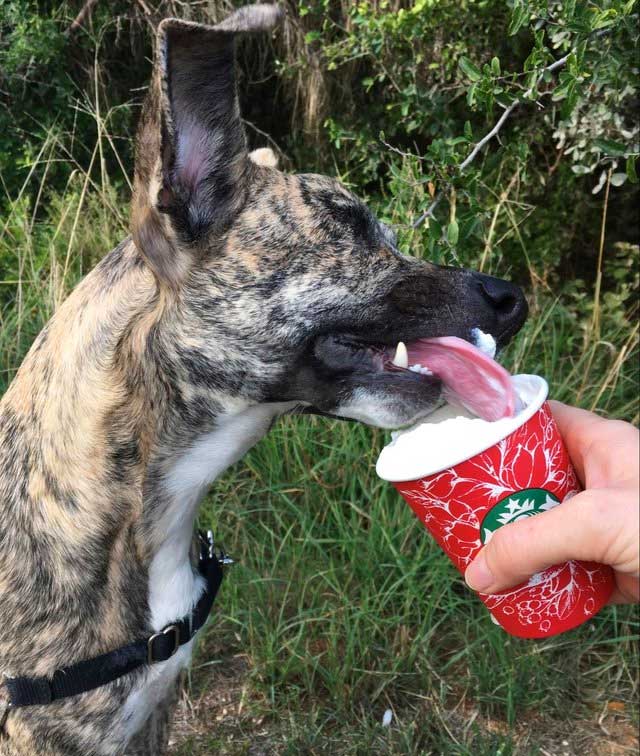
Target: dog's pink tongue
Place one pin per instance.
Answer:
(470, 377)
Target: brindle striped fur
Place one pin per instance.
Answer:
(225, 298)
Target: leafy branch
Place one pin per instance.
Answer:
(494, 131)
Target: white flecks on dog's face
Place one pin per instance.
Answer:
(273, 261)
(381, 410)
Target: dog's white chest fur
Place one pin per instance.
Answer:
(174, 588)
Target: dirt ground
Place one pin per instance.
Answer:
(223, 720)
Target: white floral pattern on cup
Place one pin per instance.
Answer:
(454, 503)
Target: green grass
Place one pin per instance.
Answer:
(340, 606)
(344, 607)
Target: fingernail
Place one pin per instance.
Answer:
(478, 575)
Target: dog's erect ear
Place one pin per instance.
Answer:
(191, 153)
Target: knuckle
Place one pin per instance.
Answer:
(591, 518)
(591, 507)
(512, 548)
(502, 545)
(622, 429)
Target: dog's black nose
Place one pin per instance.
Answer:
(507, 301)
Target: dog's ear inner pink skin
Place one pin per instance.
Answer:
(191, 150)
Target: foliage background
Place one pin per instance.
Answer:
(340, 607)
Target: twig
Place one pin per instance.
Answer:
(428, 213)
(595, 320)
(400, 152)
(145, 8)
(490, 134)
(501, 200)
(266, 136)
(553, 168)
(596, 296)
(85, 13)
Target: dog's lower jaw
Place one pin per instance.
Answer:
(174, 586)
(380, 411)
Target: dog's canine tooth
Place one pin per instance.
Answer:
(401, 357)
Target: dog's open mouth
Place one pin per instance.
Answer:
(467, 373)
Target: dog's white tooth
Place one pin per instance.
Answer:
(414, 368)
(425, 371)
(401, 357)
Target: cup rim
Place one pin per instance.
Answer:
(538, 398)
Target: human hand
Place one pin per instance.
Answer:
(600, 524)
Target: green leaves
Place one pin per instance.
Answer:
(567, 91)
(453, 232)
(468, 131)
(609, 147)
(486, 83)
(569, 9)
(469, 68)
(471, 95)
(519, 16)
(603, 19)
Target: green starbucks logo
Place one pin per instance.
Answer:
(514, 507)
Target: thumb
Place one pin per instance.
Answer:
(572, 530)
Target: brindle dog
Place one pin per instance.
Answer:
(243, 293)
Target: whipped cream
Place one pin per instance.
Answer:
(452, 434)
(485, 342)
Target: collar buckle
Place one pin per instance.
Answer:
(152, 657)
(208, 549)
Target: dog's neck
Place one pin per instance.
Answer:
(117, 450)
(172, 585)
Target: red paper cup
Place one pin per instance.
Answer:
(521, 474)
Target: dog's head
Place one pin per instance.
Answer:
(284, 288)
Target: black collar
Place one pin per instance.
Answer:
(93, 673)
